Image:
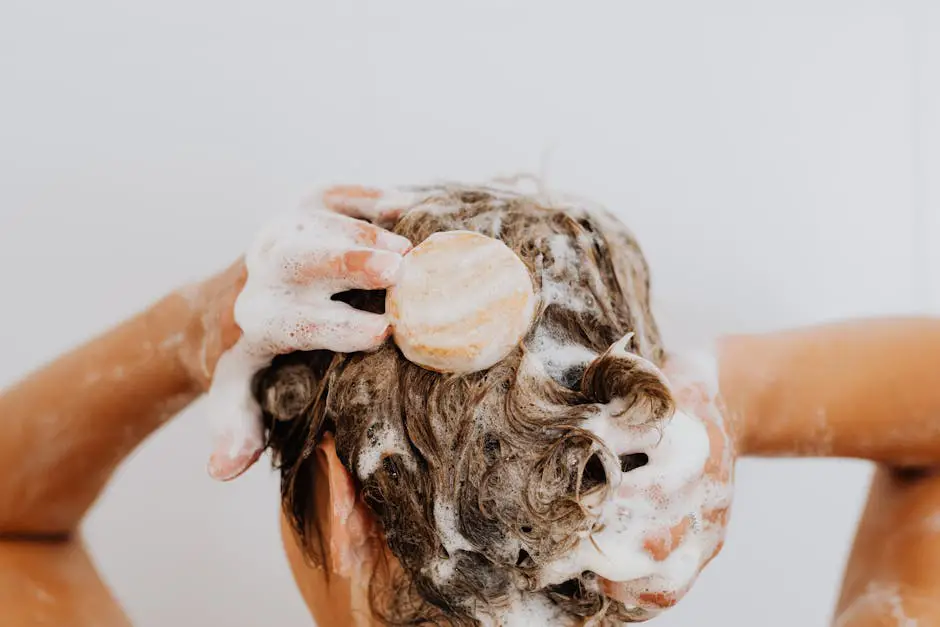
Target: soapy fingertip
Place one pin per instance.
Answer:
(384, 267)
(393, 242)
(352, 200)
(233, 456)
(387, 333)
(381, 331)
(379, 340)
(221, 467)
(359, 332)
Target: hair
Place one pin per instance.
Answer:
(478, 480)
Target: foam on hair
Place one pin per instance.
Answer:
(480, 480)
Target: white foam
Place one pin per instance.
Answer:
(279, 314)
(556, 278)
(556, 281)
(529, 610)
(388, 442)
(652, 499)
(557, 356)
(370, 455)
(442, 570)
(446, 520)
(563, 252)
(696, 366)
(879, 600)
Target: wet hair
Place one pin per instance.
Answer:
(478, 480)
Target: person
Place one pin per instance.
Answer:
(859, 389)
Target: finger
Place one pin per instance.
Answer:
(370, 235)
(356, 201)
(332, 326)
(359, 268)
(325, 228)
(232, 457)
(381, 206)
(352, 224)
(234, 416)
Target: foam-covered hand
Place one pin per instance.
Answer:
(687, 491)
(295, 266)
(665, 516)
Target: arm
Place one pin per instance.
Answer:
(868, 390)
(864, 389)
(65, 428)
(892, 577)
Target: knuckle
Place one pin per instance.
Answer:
(357, 260)
(366, 233)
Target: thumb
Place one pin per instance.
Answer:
(234, 417)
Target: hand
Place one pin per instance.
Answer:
(284, 289)
(678, 506)
(382, 207)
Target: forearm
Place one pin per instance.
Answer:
(892, 577)
(865, 389)
(54, 583)
(66, 427)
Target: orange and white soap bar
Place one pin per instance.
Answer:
(462, 302)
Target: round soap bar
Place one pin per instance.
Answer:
(462, 302)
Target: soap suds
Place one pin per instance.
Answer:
(932, 522)
(286, 306)
(558, 356)
(92, 377)
(655, 531)
(381, 441)
(676, 491)
(172, 341)
(446, 520)
(879, 600)
(529, 610)
(564, 254)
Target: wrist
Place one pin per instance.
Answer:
(210, 328)
(741, 385)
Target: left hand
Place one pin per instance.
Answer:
(706, 491)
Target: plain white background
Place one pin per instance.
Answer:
(778, 160)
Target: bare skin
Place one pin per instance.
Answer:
(862, 389)
(866, 390)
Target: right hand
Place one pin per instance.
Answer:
(294, 268)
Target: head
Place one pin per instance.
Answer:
(466, 493)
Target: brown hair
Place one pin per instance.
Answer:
(478, 480)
